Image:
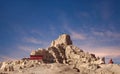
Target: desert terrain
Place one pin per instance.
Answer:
(61, 57)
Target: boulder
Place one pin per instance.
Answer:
(4, 64)
(8, 68)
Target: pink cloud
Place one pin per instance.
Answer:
(77, 36)
(110, 51)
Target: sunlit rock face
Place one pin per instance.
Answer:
(63, 51)
(63, 39)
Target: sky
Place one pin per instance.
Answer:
(25, 25)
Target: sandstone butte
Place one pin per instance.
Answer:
(61, 57)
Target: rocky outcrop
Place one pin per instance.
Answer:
(56, 52)
(61, 51)
(63, 39)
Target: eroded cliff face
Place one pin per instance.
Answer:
(62, 50)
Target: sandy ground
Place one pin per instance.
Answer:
(57, 68)
(65, 69)
(45, 69)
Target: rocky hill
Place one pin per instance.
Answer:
(61, 57)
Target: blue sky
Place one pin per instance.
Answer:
(26, 25)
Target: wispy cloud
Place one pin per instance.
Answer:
(107, 33)
(36, 43)
(112, 34)
(26, 48)
(33, 40)
(98, 33)
(77, 36)
(36, 32)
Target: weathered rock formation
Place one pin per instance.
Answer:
(62, 57)
(63, 51)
